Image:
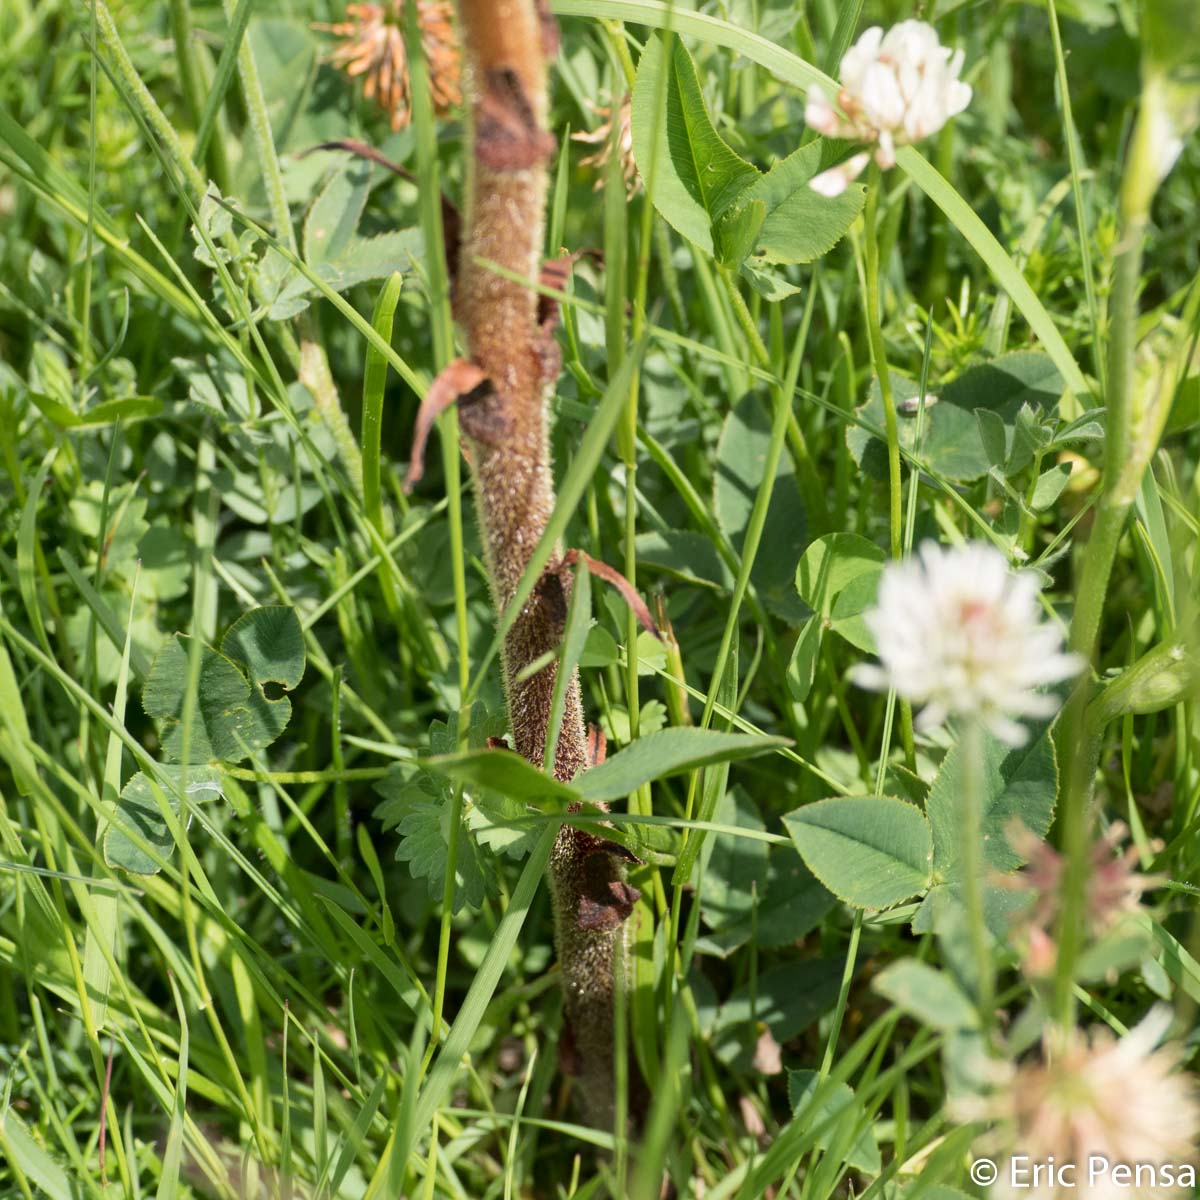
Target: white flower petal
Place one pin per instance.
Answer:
(1007, 731)
(819, 113)
(869, 676)
(896, 88)
(881, 97)
(1122, 1100)
(837, 179)
(859, 57)
(961, 633)
(931, 716)
(885, 155)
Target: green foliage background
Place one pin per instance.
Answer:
(234, 653)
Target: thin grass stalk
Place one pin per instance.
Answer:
(878, 349)
(183, 34)
(974, 869)
(839, 1011)
(879, 361)
(313, 362)
(443, 348)
(1130, 440)
(1074, 156)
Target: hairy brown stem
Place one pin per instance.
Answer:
(505, 426)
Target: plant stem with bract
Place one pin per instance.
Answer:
(505, 430)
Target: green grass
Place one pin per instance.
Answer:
(341, 980)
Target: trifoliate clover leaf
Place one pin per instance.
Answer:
(231, 714)
(139, 812)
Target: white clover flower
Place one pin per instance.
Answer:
(895, 89)
(960, 633)
(1120, 1100)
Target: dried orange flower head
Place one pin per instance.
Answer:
(1095, 1103)
(371, 45)
(616, 129)
(1114, 888)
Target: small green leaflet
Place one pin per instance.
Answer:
(1020, 784)
(139, 811)
(706, 191)
(1011, 390)
(231, 716)
(421, 819)
(871, 851)
(694, 174)
(838, 577)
